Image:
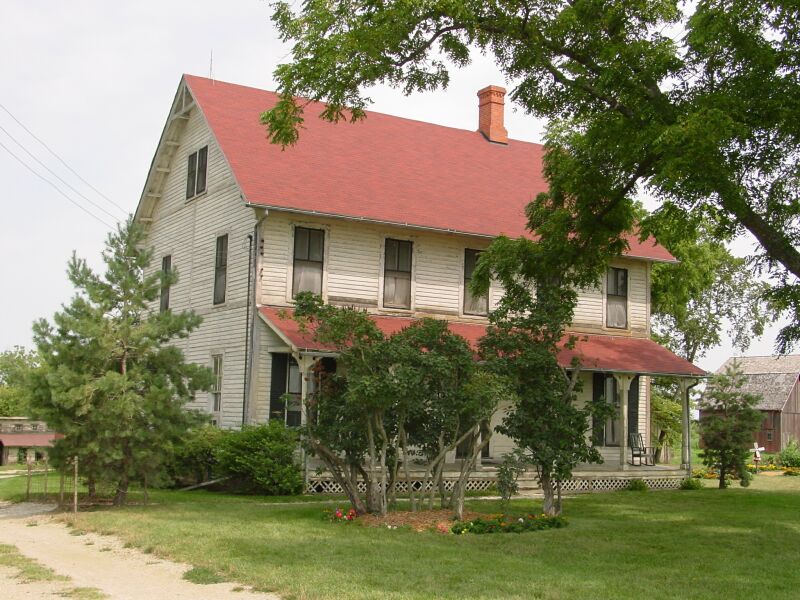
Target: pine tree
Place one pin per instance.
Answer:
(110, 380)
(728, 423)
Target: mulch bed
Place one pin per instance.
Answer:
(418, 521)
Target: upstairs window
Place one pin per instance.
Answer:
(196, 172)
(397, 274)
(216, 388)
(308, 258)
(221, 269)
(473, 305)
(617, 298)
(166, 269)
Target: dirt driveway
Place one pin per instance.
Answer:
(100, 562)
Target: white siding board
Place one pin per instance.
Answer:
(187, 229)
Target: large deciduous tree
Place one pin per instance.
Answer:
(695, 104)
(110, 380)
(15, 366)
(708, 293)
(728, 423)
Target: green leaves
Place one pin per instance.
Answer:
(695, 105)
(109, 380)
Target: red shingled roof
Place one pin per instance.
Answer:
(28, 440)
(595, 352)
(383, 168)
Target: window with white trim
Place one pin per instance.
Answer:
(166, 269)
(617, 298)
(220, 269)
(473, 305)
(196, 172)
(309, 253)
(216, 388)
(397, 274)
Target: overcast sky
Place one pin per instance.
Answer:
(94, 80)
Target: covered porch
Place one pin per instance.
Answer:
(615, 367)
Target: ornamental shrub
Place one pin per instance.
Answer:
(745, 478)
(637, 485)
(691, 483)
(790, 456)
(194, 460)
(260, 460)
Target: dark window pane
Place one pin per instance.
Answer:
(404, 256)
(191, 175)
(470, 260)
(300, 243)
(202, 162)
(166, 268)
(316, 239)
(391, 255)
(221, 269)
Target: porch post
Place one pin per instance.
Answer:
(623, 387)
(305, 363)
(686, 454)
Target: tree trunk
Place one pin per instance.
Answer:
(347, 478)
(91, 486)
(121, 495)
(551, 507)
(457, 497)
(404, 446)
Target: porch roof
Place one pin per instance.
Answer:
(607, 353)
(28, 440)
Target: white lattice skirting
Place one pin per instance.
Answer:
(326, 485)
(610, 484)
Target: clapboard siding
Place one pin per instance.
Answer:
(353, 263)
(187, 229)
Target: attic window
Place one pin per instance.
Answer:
(196, 172)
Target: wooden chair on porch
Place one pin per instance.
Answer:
(640, 451)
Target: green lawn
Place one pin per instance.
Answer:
(681, 544)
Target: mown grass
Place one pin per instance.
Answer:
(735, 543)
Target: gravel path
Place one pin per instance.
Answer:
(101, 562)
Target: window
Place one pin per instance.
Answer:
(397, 274)
(216, 388)
(17, 426)
(221, 269)
(35, 427)
(196, 172)
(473, 305)
(166, 269)
(769, 436)
(308, 255)
(617, 298)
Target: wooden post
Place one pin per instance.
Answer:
(28, 489)
(623, 387)
(45, 478)
(61, 490)
(686, 436)
(305, 363)
(75, 486)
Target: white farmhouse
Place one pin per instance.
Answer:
(388, 214)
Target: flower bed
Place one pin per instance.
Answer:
(341, 516)
(421, 520)
(507, 524)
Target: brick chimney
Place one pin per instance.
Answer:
(490, 114)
